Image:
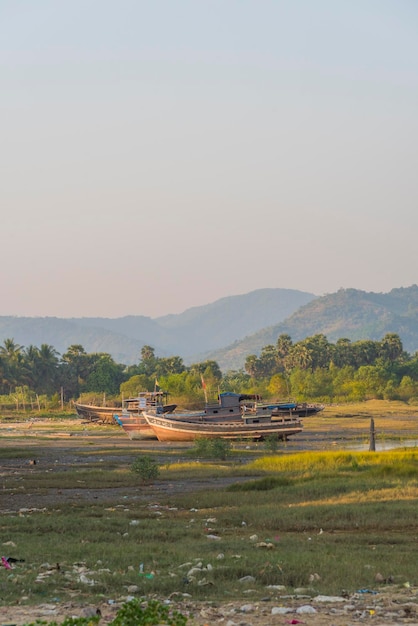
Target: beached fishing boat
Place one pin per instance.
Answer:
(251, 426)
(131, 406)
(135, 425)
(131, 418)
(93, 413)
(300, 410)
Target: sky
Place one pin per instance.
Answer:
(158, 155)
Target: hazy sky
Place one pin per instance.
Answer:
(163, 154)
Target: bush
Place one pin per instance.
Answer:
(146, 467)
(133, 613)
(212, 448)
(271, 443)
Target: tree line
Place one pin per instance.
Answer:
(309, 370)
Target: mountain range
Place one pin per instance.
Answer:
(229, 329)
(189, 334)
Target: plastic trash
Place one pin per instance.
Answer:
(5, 563)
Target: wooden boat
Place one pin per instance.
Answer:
(300, 410)
(253, 426)
(131, 418)
(135, 426)
(131, 406)
(228, 407)
(94, 413)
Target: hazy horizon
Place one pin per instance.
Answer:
(158, 156)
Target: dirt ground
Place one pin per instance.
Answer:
(48, 446)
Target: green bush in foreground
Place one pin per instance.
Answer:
(132, 613)
(146, 467)
(216, 448)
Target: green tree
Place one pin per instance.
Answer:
(76, 366)
(43, 367)
(236, 381)
(283, 349)
(13, 366)
(268, 363)
(135, 384)
(342, 353)
(106, 376)
(252, 365)
(366, 352)
(169, 365)
(391, 348)
(279, 386)
(300, 357)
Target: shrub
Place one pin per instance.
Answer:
(146, 467)
(271, 443)
(133, 613)
(212, 448)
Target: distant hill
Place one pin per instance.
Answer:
(192, 332)
(211, 326)
(347, 313)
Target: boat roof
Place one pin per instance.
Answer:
(240, 396)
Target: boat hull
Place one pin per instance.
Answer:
(136, 427)
(173, 429)
(94, 413)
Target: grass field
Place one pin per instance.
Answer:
(325, 521)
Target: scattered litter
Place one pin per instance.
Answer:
(265, 544)
(11, 559)
(306, 608)
(5, 563)
(281, 610)
(247, 579)
(247, 608)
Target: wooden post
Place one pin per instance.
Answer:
(372, 445)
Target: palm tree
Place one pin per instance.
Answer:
(12, 364)
(42, 368)
(47, 368)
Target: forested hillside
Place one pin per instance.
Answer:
(348, 313)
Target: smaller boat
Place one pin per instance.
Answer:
(131, 418)
(130, 406)
(93, 413)
(301, 410)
